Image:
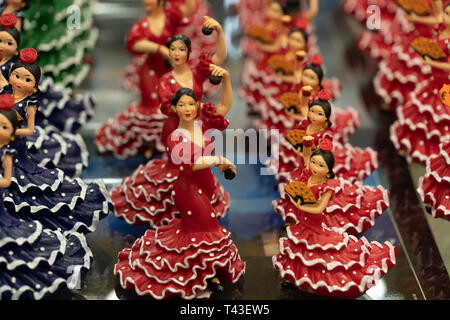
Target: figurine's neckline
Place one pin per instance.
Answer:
(179, 83)
(189, 138)
(162, 29)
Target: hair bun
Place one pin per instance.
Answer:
(28, 56)
(6, 101)
(317, 60)
(324, 94)
(301, 23)
(326, 145)
(8, 21)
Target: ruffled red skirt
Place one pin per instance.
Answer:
(169, 262)
(332, 264)
(434, 186)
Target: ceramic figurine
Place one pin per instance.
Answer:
(63, 150)
(425, 117)
(164, 262)
(317, 259)
(137, 130)
(403, 69)
(434, 186)
(268, 24)
(60, 110)
(46, 193)
(286, 108)
(265, 80)
(39, 251)
(193, 29)
(146, 196)
(353, 164)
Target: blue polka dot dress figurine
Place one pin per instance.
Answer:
(39, 253)
(49, 149)
(16, 8)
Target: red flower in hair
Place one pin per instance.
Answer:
(6, 101)
(8, 21)
(302, 24)
(317, 60)
(324, 95)
(28, 56)
(326, 145)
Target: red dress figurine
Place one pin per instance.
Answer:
(137, 129)
(352, 164)
(180, 259)
(146, 196)
(319, 260)
(192, 27)
(425, 117)
(434, 186)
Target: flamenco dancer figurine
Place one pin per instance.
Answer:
(59, 110)
(353, 164)
(184, 76)
(137, 130)
(181, 258)
(36, 258)
(353, 209)
(434, 186)
(322, 261)
(424, 119)
(63, 150)
(147, 196)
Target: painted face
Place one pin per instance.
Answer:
(178, 53)
(296, 41)
(318, 166)
(6, 130)
(22, 80)
(316, 115)
(447, 16)
(8, 46)
(150, 4)
(274, 11)
(187, 108)
(310, 78)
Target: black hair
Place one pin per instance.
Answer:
(11, 115)
(27, 4)
(303, 32)
(317, 70)
(33, 68)
(182, 37)
(180, 93)
(159, 1)
(326, 106)
(13, 32)
(291, 6)
(328, 157)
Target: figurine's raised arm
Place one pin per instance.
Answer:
(226, 100)
(312, 11)
(187, 8)
(5, 182)
(221, 47)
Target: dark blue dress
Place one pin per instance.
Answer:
(61, 150)
(35, 260)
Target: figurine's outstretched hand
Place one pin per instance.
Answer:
(210, 23)
(218, 71)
